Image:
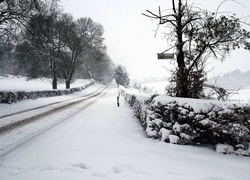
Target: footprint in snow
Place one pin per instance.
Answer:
(81, 165)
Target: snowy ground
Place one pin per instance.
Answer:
(103, 141)
(13, 83)
(240, 96)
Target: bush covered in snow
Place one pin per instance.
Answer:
(194, 121)
(11, 97)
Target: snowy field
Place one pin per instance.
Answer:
(241, 96)
(104, 141)
(14, 83)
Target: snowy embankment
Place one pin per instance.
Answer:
(194, 121)
(18, 88)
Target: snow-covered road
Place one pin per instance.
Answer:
(103, 141)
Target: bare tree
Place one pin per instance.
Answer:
(43, 39)
(198, 35)
(14, 14)
(84, 36)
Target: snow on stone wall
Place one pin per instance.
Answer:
(194, 121)
(15, 96)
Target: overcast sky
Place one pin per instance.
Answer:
(130, 38)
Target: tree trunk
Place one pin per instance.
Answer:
(54, 82)
(182, 82)
(90, 74)
(54, 75)
(67, 84)
(68, 80)
(71, 70)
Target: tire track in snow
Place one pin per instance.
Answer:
(40, 107)
(92, 100)
(24, 121)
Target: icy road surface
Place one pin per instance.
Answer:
(103, 141)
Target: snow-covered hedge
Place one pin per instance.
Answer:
(194, 121)
(10, 97)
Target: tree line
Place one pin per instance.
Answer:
(38, 39)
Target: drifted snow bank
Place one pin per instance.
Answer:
(15, 96)
(194, 121)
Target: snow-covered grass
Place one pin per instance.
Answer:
(156, 87)
(14, 83)
(104, 141)
(241, 96)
